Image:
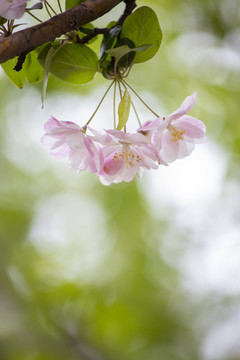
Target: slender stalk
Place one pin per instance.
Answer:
(100, 103)
(10, 26)
(47, 3)
(36, 18)
(4, 30)
(46, 7)
(134, 108)
(120, 90)
(129, 69)
(135, 111)
(124, 82)
(59, 5)
(114, 104)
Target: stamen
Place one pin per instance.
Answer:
(128, 157)
(176, 134)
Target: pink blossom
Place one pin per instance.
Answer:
(174, 137)
(12, 9)
(126, 155)
(67, 139)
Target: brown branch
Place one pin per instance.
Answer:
(94, 33)
(28, 39)
(130, 6)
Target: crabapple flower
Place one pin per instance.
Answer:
(175, 136)
(126, 155)
(66, 139)
(12, 9)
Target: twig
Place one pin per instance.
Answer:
(94, 33)
(130, 6)
(20, 62)
(28, 39)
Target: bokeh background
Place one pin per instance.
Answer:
(141, 271)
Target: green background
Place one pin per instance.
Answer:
(141, 271)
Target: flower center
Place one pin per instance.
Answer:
(176, 134)
(128, 157)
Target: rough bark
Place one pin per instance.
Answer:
(28, 39)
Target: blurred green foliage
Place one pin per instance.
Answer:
(83, 274)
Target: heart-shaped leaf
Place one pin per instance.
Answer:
(142, 27)
(74, 63)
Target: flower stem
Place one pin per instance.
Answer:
(120, 90)
(59, 5)
(134, 108)
(135, 111)
(46, 7)
(100, 103)
(114, 104)
(4, 30)
(124, 82)
(35, 17)
(47, 3)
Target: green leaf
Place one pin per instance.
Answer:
(111, 24)
(17, 77)
(124, 110)
(125, 49)
(120, 53)
(126, 60)
(34, 70)
(142, 27)
(108, 41)
(2, 20)
(71, 3)
(74, 63)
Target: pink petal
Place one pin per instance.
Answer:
(136, 138)
(185, 149)
(153, 125)
(148, 156)
(95, 155)
(75, 139)
(51, 124)
(169, 150)
(61, 152)
(184, 108)
(104, 139)
(58, 147)
(15, 10)
(5, 5)
(194, 128)
(111, 165)
(84, 154)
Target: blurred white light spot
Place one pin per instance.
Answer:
(222, 342)
(192, 181)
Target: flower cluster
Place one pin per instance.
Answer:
(116, 155)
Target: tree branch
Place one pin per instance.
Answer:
(28, 39)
